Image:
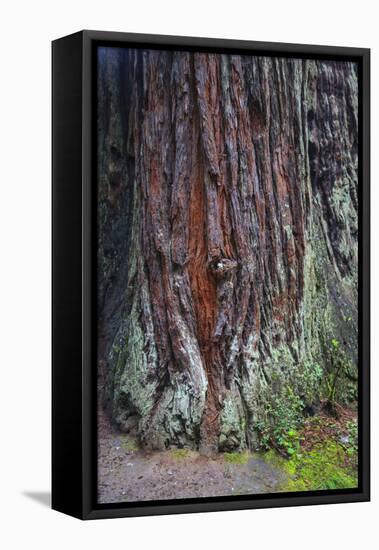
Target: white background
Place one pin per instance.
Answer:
(27, 27)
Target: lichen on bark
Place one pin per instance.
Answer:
(228, 231)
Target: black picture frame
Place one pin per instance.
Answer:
(74, 277)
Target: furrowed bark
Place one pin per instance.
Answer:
(227, 237)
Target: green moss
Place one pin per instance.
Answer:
(237, 458)
(320, 469)
(128, 444)
(179, 454)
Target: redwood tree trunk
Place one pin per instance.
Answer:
(228, 223)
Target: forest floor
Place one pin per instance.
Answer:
(127, 473)
(325, 458)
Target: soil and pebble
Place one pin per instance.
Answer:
(127, 473)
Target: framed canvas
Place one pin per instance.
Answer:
(210, 275)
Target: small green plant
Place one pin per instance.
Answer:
(335, 343)
(284, 416)
(310, 381)
(291, 442)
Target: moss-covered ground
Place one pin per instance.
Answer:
(327, 455)
(322, 468)
(324, 454)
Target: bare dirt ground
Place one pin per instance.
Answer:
(127, 473)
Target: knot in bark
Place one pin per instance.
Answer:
(223, 267)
